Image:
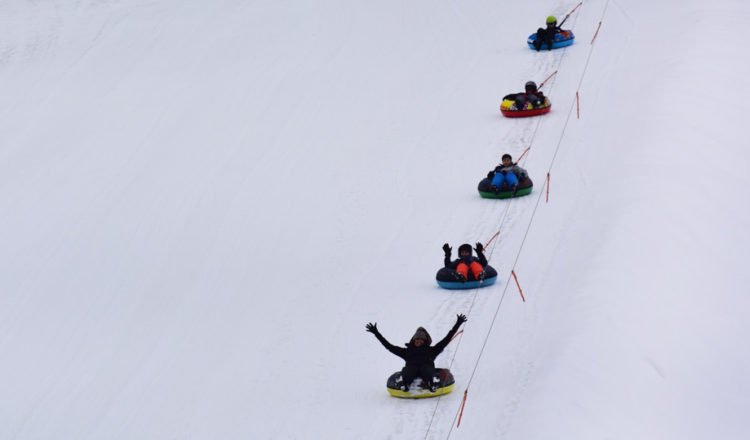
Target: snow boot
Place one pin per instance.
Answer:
(434, 384)
(401, 385)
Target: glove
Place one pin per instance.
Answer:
(372, 328)
(447, 249)
(479, 248)
(504, 172)
(460, 319)
(491, 174)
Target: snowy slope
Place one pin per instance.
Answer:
(203, 204)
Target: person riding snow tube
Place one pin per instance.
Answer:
(467, 272)
(530, 102)
(551, 37)
(505, 181)
(419, 356)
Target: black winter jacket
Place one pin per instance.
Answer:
(550, 31)
(417, 356)
(452, 264)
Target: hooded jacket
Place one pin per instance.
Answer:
(418, 356)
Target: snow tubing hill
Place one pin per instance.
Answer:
(447, 384)
(509, 100)
(446, 278)
(524, 188)
(563, 39)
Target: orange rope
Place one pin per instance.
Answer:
(461, 413)
(597, 32)
(513, 272)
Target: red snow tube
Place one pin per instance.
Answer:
(525, 113)
(508, 109)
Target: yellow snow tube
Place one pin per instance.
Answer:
(421, 393)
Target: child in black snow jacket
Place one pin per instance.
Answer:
(547, 35)
(466, 263)
(418, 354)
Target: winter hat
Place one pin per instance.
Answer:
(508, 156)
(551, 20)
(466, 247)
(422, 334)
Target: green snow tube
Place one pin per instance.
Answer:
(524, 189)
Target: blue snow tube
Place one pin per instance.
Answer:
(447, 279)
(563, 39)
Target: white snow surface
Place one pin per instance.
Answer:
(203, 203)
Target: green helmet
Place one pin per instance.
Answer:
(551, 20)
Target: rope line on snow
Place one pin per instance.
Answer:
(468, 313)
(459, 414)
(528, 228)
(477, 289)
(491, 253)
(456, 420)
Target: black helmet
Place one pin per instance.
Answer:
(530, 85)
